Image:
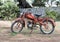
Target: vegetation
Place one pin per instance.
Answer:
(57, 3)
(8, 10)
(58, 17)
(39, 3)
(51, 14)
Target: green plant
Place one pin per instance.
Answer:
(58, 17)
(39, 3)
(51, 14)
(9, 10)
(0, 3)
(57, 3)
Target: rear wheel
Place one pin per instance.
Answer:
(49, 27)
(17, 27)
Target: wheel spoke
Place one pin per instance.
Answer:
(16, 27)
(47, 28)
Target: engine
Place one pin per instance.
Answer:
(30, 25)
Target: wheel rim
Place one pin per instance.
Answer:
(48, 29)
(17, 27)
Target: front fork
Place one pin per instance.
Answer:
(21, 20)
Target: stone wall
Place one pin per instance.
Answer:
(40, 10)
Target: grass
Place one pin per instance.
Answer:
(13, 34)
(26, 32)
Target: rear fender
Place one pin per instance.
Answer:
(53, 22)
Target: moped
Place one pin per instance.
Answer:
(46, 25)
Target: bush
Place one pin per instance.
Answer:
(51, 14)
(58, 17)
(9, 10)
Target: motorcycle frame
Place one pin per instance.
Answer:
(21, 18)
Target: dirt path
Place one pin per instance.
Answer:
(7, 36)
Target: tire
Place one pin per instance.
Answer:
(12, 29)
(47, 32)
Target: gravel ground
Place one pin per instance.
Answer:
(7, 36)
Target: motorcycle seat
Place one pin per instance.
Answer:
(38, 15)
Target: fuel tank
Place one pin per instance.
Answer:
(29, 16)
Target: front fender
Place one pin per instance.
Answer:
(18, 19)
(22, 21)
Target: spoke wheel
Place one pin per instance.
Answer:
(48, 29)
(17, 27)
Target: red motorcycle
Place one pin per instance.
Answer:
(46, 25)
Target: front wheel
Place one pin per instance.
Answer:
(16, 27)
(49, 27)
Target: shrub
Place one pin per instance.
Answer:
(9, 10)
(51, 14)
(58, 17)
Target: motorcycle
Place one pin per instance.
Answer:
(46, 25)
